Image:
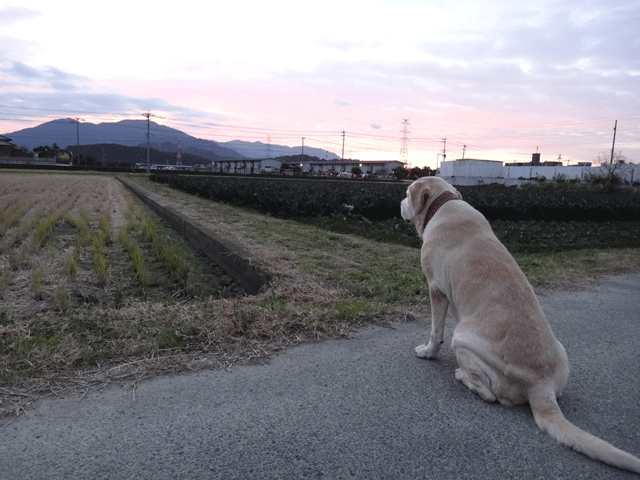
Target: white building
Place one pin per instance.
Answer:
(470, 172)
(477, 172)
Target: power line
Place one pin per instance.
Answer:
(62, 111)
(366, 141)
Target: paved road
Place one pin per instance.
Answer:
(365, 407)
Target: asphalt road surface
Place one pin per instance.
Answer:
(359, 408)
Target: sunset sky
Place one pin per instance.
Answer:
(501, 78)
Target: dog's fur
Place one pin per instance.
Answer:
(504, 345)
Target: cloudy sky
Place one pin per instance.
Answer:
(496, 79)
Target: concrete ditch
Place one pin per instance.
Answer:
(232, 258)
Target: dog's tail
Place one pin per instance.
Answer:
(549, 418)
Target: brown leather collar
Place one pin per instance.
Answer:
(437, 203)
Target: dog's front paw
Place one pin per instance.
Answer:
(423, 351)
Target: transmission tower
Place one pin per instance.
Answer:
(404, 141)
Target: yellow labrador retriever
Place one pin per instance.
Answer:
(504, 345)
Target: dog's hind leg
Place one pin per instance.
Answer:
(439, 306)
(475, 374)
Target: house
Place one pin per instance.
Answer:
(370, 168)
(62, 156)
(8, 149)
(379, 168)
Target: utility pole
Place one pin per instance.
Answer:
(78, 132)
(149, 114)
(77, 122)
(303, 149)
(444, 149)
(268, 146)
(464, 147)
(404, 150)
(614, 140)
(343, 134)
(148, 166)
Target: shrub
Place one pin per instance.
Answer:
(304, 198)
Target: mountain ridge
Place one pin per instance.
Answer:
(109, 154)
(133, 133)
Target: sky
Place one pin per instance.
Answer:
(493, 80)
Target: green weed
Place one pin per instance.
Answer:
(61, 298)
(12, 215)
(71, 263)
(168, 340)
(5, 281)
(118, 297)
(351, 308)
(101, 267)
(166, 253)
(135, 255)
(37, 281)
(44, 226)
(106, 229)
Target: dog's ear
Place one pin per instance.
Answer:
(419, 198)
(459, 195)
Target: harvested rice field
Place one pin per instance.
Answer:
(94, 289)
(88, 276)
(72, 240)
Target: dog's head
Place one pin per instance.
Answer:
(420, 195)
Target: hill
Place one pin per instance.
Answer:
(133, 133)
(129, 133)
(112, 154)
(263, 150)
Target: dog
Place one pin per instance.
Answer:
(505, 348)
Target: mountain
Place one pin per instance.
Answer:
(133, 133)
(112, 153)
(129, 133)
(173, 148)
(263, 150)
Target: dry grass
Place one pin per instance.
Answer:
(86, 331)
(79, 327)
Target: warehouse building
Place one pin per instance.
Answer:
(477, 172)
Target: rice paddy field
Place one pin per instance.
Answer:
(95, 289)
